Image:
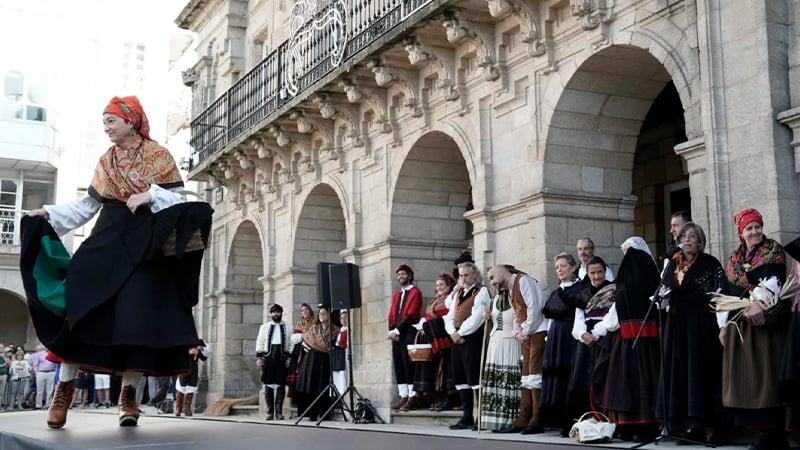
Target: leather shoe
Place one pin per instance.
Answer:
(444, 405)
(62, 396)
(412, 404)
(128, 411)
(532, 430)
(399, 403)
(509, 429)
(461, 425)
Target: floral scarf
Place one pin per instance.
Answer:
(118, 176)
(741, 262)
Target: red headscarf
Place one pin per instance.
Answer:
(448, 280)
(745, 216)
(131, 110)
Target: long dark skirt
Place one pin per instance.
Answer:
(128, 306)
(790, 375)
(692, 368)
(313, 378)
(632, 380)
(582, 383)
(559, 358)
(430, 376)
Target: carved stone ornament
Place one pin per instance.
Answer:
(531, 33)
(592, 13)
(482, 36)
(190, 77)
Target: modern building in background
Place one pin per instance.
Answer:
(381, 132)
(56, 78)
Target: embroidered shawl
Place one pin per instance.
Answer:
(742, 261)
(117, 177)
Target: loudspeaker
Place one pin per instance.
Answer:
(323, 283)
(345, 286)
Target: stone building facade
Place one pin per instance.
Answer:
(381, 132)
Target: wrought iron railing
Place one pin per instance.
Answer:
(9, 225)
(324, 42)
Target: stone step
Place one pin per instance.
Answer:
(244, 410)
(425, 417)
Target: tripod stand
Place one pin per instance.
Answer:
(665, 431)
(351, 389)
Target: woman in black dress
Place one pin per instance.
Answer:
(559, 350)
(692, 351)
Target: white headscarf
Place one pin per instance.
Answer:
(637, 243)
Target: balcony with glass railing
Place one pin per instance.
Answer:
(322, 46)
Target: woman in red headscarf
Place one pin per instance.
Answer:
(754, 343)
(430, 377)
(124, 307)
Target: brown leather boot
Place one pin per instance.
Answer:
(524, 413)
(534, 426)
(187, 405)
(128, 410)
(399, 403)
(62, 396)
(412, 404)
(178, 403)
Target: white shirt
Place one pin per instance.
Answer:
(475, 319)
(534, 302)
(68, 216)
(609, 323)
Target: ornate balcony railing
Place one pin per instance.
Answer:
(327, 36)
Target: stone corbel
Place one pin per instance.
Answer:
(481, 36)
(358, 94)
(330, 109)
(591, 13)
(531, 31)
(420, 54)
(322, 129)
(303, 157)
(408, 82)
(791, 118)
(232, 181)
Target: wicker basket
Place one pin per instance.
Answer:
(420, 352)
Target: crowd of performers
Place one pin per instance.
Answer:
(653, 350)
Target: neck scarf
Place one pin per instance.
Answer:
(117, 177)
(742, 261)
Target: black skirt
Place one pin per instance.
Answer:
(128, 307)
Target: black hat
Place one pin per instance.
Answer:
(276, 307)
(793, 249)
(465, 256)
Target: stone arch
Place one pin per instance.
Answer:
(320, 235)
(679, 62)
(15, 322)
(238, 314)
(604, 155)
(431, 193)
(321, 231)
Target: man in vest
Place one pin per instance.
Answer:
(464, 322)
(403, 314)
(530, 329)
(272, 353)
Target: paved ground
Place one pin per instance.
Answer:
(98, 429)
